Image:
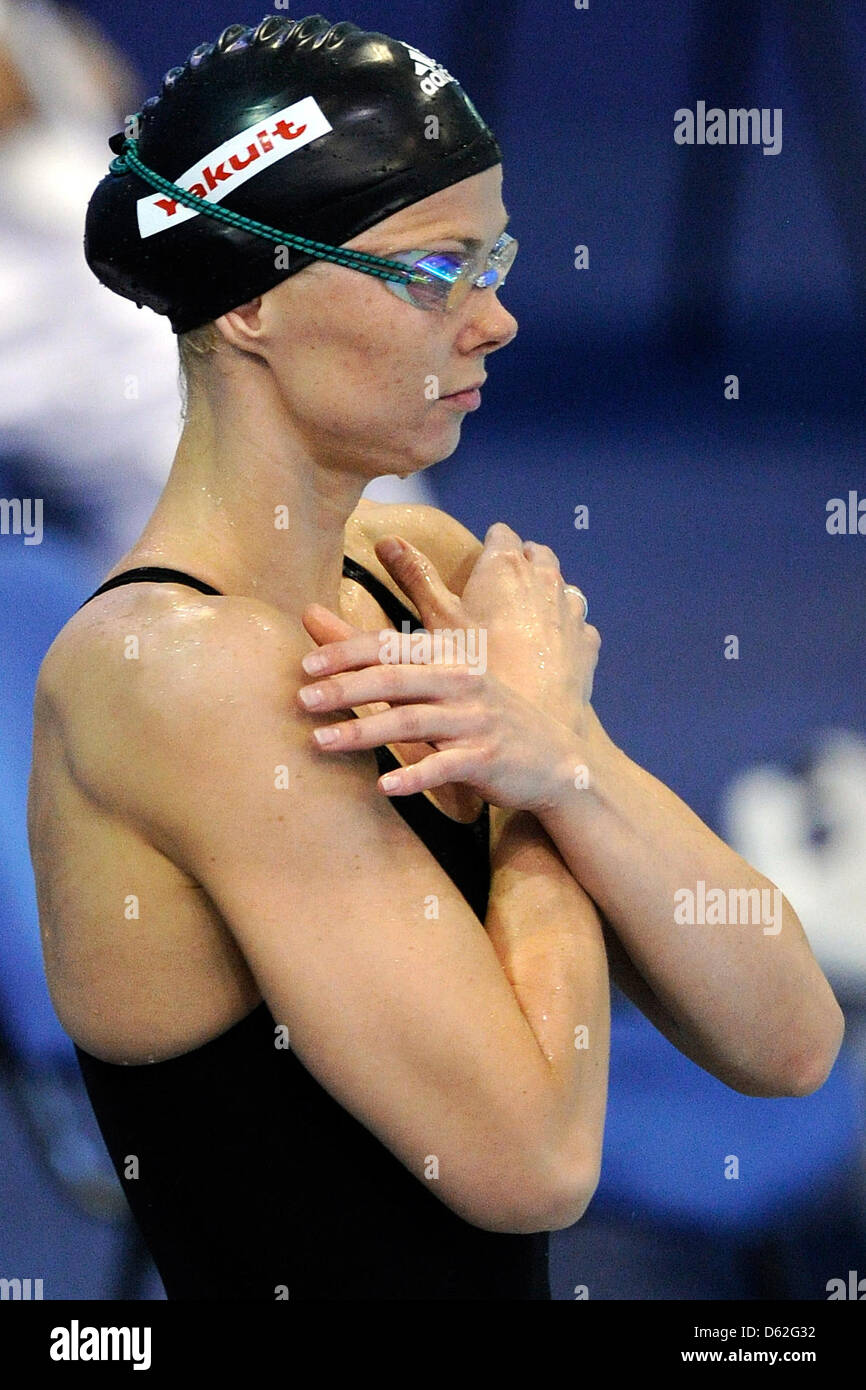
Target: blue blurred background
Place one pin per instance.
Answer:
(707, 511)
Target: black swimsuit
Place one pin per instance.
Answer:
(253, 1182)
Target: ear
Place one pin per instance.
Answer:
(242, 327)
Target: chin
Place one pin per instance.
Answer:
(408, 462)
(446, 453)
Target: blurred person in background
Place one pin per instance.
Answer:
(89, 419)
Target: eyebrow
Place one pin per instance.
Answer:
(472, 243)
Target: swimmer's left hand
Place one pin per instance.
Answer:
(485, 735)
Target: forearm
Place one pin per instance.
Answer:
(739, 981)
(548, 937)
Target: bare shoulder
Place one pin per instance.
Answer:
(143, 634)
(451, 546)
(152, 668)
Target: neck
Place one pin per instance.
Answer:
(250, 508)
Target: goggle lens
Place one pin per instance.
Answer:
(442, 274)
(448, 277)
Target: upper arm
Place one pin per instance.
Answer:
(391, 991)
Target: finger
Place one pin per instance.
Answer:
(541, 554)
(436, 770)
(499, 536)
(419, 578)
(405, 724)
(394, 684)
(359, 649)
(351, 653)
(323, 625)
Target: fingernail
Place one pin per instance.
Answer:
(314, 662)
(391, 549)
(389, 782)
(323, 736)
(313, 695)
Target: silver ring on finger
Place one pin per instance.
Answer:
(573, 589)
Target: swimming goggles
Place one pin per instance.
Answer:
(428, 279)
(443, 279)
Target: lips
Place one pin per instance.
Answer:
(476, 386)
(463, 400)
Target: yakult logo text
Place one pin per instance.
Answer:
(235, 161)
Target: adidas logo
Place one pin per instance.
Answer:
(423, 64)
(432, 74)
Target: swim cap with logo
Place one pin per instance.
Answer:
(320, 130)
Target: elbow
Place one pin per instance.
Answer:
(533, 1205)
(807, 1066)
(567, 1196)
(811, 1069)
(574, 1180)
(568, 1205)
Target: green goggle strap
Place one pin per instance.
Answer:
(340, 255)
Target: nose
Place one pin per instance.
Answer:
(491, 322)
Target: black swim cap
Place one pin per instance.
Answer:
(318, 129)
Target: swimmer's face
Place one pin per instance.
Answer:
(352, 364)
